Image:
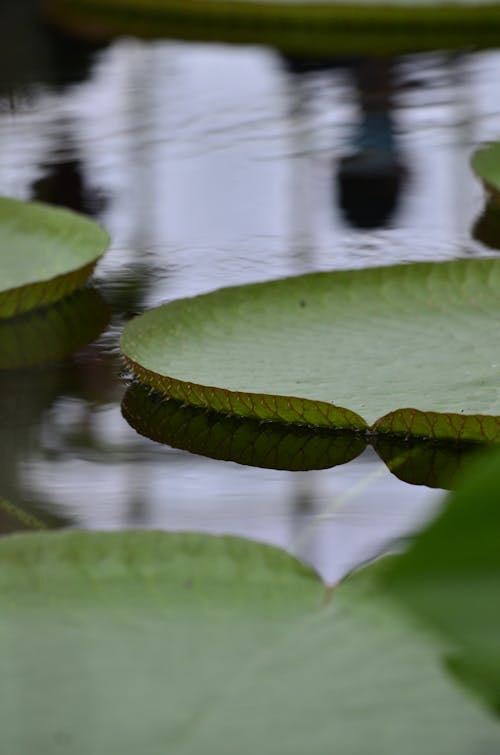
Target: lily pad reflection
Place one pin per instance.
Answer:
(53, 333)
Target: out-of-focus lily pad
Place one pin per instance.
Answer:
(54, 332)
(45, 254)
(319, 28)
(407, 350)
(146, 642)
(245, 441)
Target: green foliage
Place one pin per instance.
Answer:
(408, 350)
(45, 254)
(451, 576)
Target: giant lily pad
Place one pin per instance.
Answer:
(321, 27)
(408, 350)
(154, 643)
(45, 254)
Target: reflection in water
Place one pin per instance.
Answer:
(487, 227)
(31, 52)
(370, 178)
(52, 333)
(62, 184)
(194, 147)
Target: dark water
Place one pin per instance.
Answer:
(213, 165)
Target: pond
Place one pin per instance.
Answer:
(212, 165)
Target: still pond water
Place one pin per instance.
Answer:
(214, 165)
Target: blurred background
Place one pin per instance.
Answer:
(214, 164)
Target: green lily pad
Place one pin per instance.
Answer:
(486, 164)
(451, 577)
(53, 333)
(317, 28)
(164, 642)
(45, 254)
(409, 350)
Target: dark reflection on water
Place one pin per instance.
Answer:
(210, 166)
(53, 333)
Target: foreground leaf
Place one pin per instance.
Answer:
(45, 254)
(314, 28)
(156, 643)
(451, 576)
(405, 350)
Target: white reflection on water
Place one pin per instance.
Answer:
(218, 167)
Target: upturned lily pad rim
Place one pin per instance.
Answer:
(316, 28)
(397, 423)
(286, 446)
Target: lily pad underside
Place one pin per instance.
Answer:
(273, 445)
(143, 642)
(410, 350)
(46, 253)
(320, 28)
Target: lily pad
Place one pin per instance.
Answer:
(162, 642)
(46, 253)
(318, 28)
(53, 333)
(451, 577)
(405, 350)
